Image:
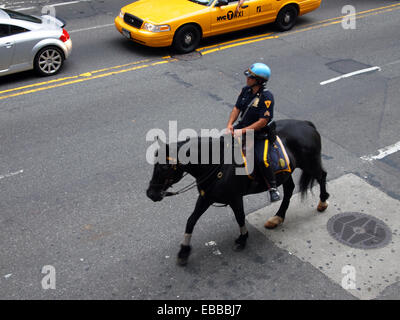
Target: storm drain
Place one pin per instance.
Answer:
(359, 230)
(188, 56)
(347, 66)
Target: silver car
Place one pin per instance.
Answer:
(28, 42)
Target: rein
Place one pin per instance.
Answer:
(193, 184)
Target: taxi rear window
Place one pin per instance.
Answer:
(21, 16)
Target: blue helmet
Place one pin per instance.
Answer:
(260, 71)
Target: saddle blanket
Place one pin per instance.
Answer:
(277, 157)
(274, 156)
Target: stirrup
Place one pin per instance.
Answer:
(274, 194)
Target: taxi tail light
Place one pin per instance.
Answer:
(65, 36)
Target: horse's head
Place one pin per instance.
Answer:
(166, 172)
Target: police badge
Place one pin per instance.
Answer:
(255, 102)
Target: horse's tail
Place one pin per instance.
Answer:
(306, 183)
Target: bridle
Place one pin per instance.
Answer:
(194, 183)
(168, 183)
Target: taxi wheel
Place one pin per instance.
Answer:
(49, 61)
(186, 39)
(286, 18)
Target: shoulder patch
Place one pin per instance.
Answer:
(267, 103)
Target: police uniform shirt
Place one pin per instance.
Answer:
(262, 110)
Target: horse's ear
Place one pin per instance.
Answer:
(162, 152)
(159, 141)
(166, 146)
(156, 139)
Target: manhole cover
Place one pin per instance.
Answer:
(347, 66)
(188, 56)
(359, 230)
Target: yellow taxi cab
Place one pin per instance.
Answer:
(183, 23)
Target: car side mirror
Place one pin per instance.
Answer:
(221, 3)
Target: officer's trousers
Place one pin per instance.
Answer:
(260, 158)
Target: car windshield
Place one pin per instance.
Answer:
(203, 2)
(21, 16)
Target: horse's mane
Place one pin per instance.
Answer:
(214, 144)
(201, 140)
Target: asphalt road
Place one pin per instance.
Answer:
(73, 171)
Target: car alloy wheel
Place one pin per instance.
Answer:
(286, 18)
(187, 39)
(49, 61)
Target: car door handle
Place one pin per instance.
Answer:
(8, 45)
(244, 7)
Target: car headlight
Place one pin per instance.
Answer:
(156, 28)
(121, 14)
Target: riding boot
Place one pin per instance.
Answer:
(271, 130)
(271, 183)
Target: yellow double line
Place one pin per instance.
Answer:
(312, 26)
(91, 75)
(105, 72)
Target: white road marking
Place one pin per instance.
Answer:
(390, 63)
(383, 152)
(23, 9)
(351, 74)
(11, 174)
(347, 75)
(91, 28)
(64, 3)
(50, 5)
(304, 233)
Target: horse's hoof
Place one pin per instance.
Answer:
(273, 222)
(322, 206)
(182, 261)
(183, 255)
(239, 247)
(240, 243)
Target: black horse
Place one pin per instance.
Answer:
(218, 183)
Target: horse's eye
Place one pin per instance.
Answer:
(165, 169)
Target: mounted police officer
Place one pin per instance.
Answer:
(255, 105)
